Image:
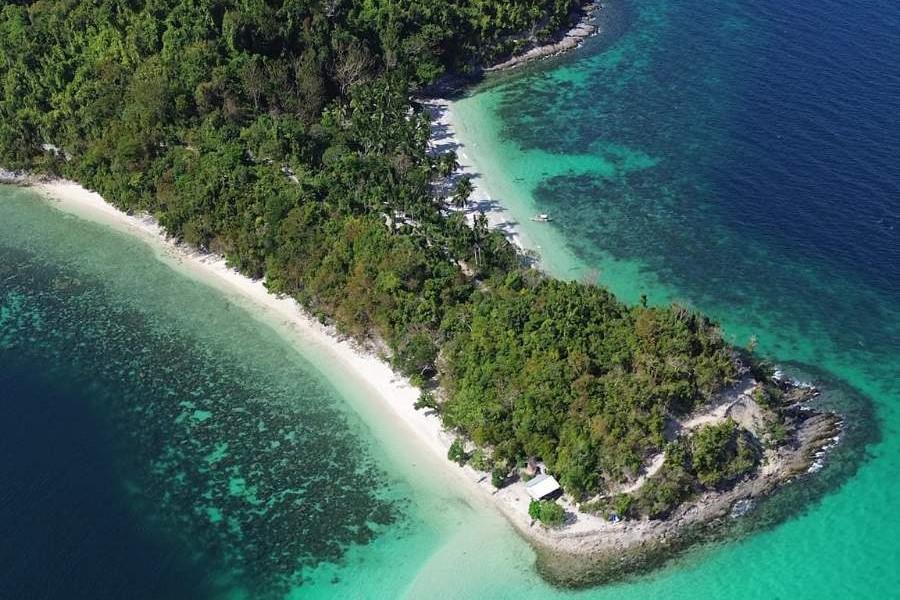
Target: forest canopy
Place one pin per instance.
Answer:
(282, 134)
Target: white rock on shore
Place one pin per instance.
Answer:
(571, 40)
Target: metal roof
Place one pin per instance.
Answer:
(541, 486)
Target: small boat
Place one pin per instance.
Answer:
(541, 218)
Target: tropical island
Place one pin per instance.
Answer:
(289, 138)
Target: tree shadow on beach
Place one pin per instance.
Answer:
(442, 141)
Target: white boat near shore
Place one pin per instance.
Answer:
(541, 218)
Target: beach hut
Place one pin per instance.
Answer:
(543, 486)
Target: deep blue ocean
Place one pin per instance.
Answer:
(68, 527)
(741, 156)
(730, 153)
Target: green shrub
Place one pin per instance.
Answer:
(547, 512)
(480, 460)
(761, 397)
(534, 509)
(721, 453)
(622, 504)
(498, 477)
(457, 452)
(777, 432)
(663, 492)
(426, 400)
(619, 504)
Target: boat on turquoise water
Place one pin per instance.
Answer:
(541, 218)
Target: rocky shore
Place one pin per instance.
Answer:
(573, 558)
(567, 40)
(22, 178)
(589, 549)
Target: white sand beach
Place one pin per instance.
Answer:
(583, 535)
(394, 391)
(443, 139)
(388, 388)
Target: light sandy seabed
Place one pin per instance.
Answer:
(388, 388)
(444, 138)
(584, 534)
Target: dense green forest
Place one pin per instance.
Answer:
(284, 135)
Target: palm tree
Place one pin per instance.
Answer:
(480, 231)
(464, 189)
(447, 164)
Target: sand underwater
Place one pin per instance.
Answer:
(160, 433)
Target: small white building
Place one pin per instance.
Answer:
(542, 486)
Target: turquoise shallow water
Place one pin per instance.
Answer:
(162, 442)
(738, 157)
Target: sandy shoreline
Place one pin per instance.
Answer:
(393, 391)
(390, 389)
(444, 138)
(592, 544)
